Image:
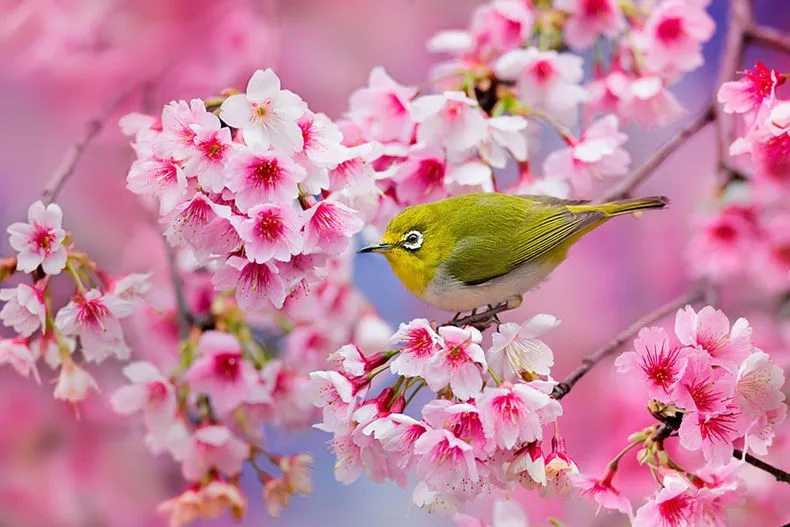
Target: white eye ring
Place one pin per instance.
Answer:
(413, 240)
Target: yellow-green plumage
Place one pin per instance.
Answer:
(479, 249)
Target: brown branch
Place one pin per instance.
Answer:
(563, 388)
(778, 473)
(69, 162)
(638, 176)
(769, 37)
(182, 309)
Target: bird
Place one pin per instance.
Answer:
(465, 252)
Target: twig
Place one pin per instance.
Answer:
(769, 37)
(178, 288)
(778, 473)
(637, 177)
(564, 387)
(69, 163)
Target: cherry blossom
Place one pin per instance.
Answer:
(17, 354)
(204, 225)
(506, 514)
(758, 384)
(161, 177)
(180, 123)
(602, 492)
(516, 349)
(212, 151)
(658, 364)
(257, 285)
(514, 413)
(748, 93)
(444, 459)
(458, 363)
(328, 227)
(40, 240)
(713, 433)
(589, 19)
(214, 447)
(257, 175)
(73, 383)
(266, 114)
(673, 505)
(153, 394)
(420, 344)
(710, 331)
(383, 107)
(24, 309)
(221, 371)
(271, 232)
(506, 137)
(95, 318)
(720, 242)
(450, 120)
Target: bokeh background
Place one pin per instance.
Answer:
(61, 61)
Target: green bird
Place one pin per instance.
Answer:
(469, 251)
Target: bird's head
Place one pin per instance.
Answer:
(415, 243)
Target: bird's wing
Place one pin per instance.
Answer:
(479, 258)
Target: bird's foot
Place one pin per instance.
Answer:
(485, 318)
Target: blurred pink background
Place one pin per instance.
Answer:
(64, 60)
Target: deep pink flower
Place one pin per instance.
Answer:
(334, 394)
(259, 176)
(450, 120)
(329, 226)
(598, 153)
(560, 468)
(590, 19)
(204, 225)
(257, 285)
(398, 433)
(713, 433)
(721, 244)
(221, 371)
(703, 388)
(382, 108)
(161, 177)
(672, 38)
(421, 177)
(602, 491)
(213, 447)
(528, 466)
(266, 114)
(271, 232)
(710, 330)
(94, 317)
(747, 93)
(16, 353)
(444, 459)
(322, 149)
(672, 506)
(546, 80)
(500, 26)
(515, 413)
(458, 363)
(24, 309)
(657, 364)
(150, 393)
(40, 240)
(463, 420)
(517, 348)
(771, 265)
(212, 151)
(180, 122)
(420, 344)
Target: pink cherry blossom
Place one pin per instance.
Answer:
(517, 348)
(546, 80)
(672, 37)
(266, 114)
(204, 225)
(150, 393)
(329, 226)
(703, 388)
(710, 330)
(506, 137)
(648, 101)
(714, 434)
(213, 447)
(450, 120)
(382, 107)
(771, 266)
(598, 153)
(398, 433)
(760, 434)
(132, 287)
(590, 19)
(421, 177)
(349, 458)
(322, 150)
(161, 177)
(500, 26)
(672, 506)
(747, 93)
(444, 459)
(24, 309)
(334, 394)
(656, 363)
(180, 122)
(720, 491)
(221, 371)
(528, 466)
(420, 344)
(259, 176)
(602, 491)
(94, 318)
(211, 152)
(560, 468)
(719, 244)
(271, 232)
(758, 385)
(18, 355)
(458, 363)
(257, 285)
(73, 383)
(462, 420)
(40, 240)
(516, 413)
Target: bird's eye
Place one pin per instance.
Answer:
(412, 240)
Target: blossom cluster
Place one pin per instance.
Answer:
(480, 432)
(747, 234)
(714, 387)
(89, 322)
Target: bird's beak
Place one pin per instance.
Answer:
(380, 247)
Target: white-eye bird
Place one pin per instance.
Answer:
(473, 250)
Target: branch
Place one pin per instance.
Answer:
(564, 387)
(69, 162)
(769, 37)
(637, 177)
(178, 288)
(778, 473)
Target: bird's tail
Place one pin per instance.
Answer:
(626, 206)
